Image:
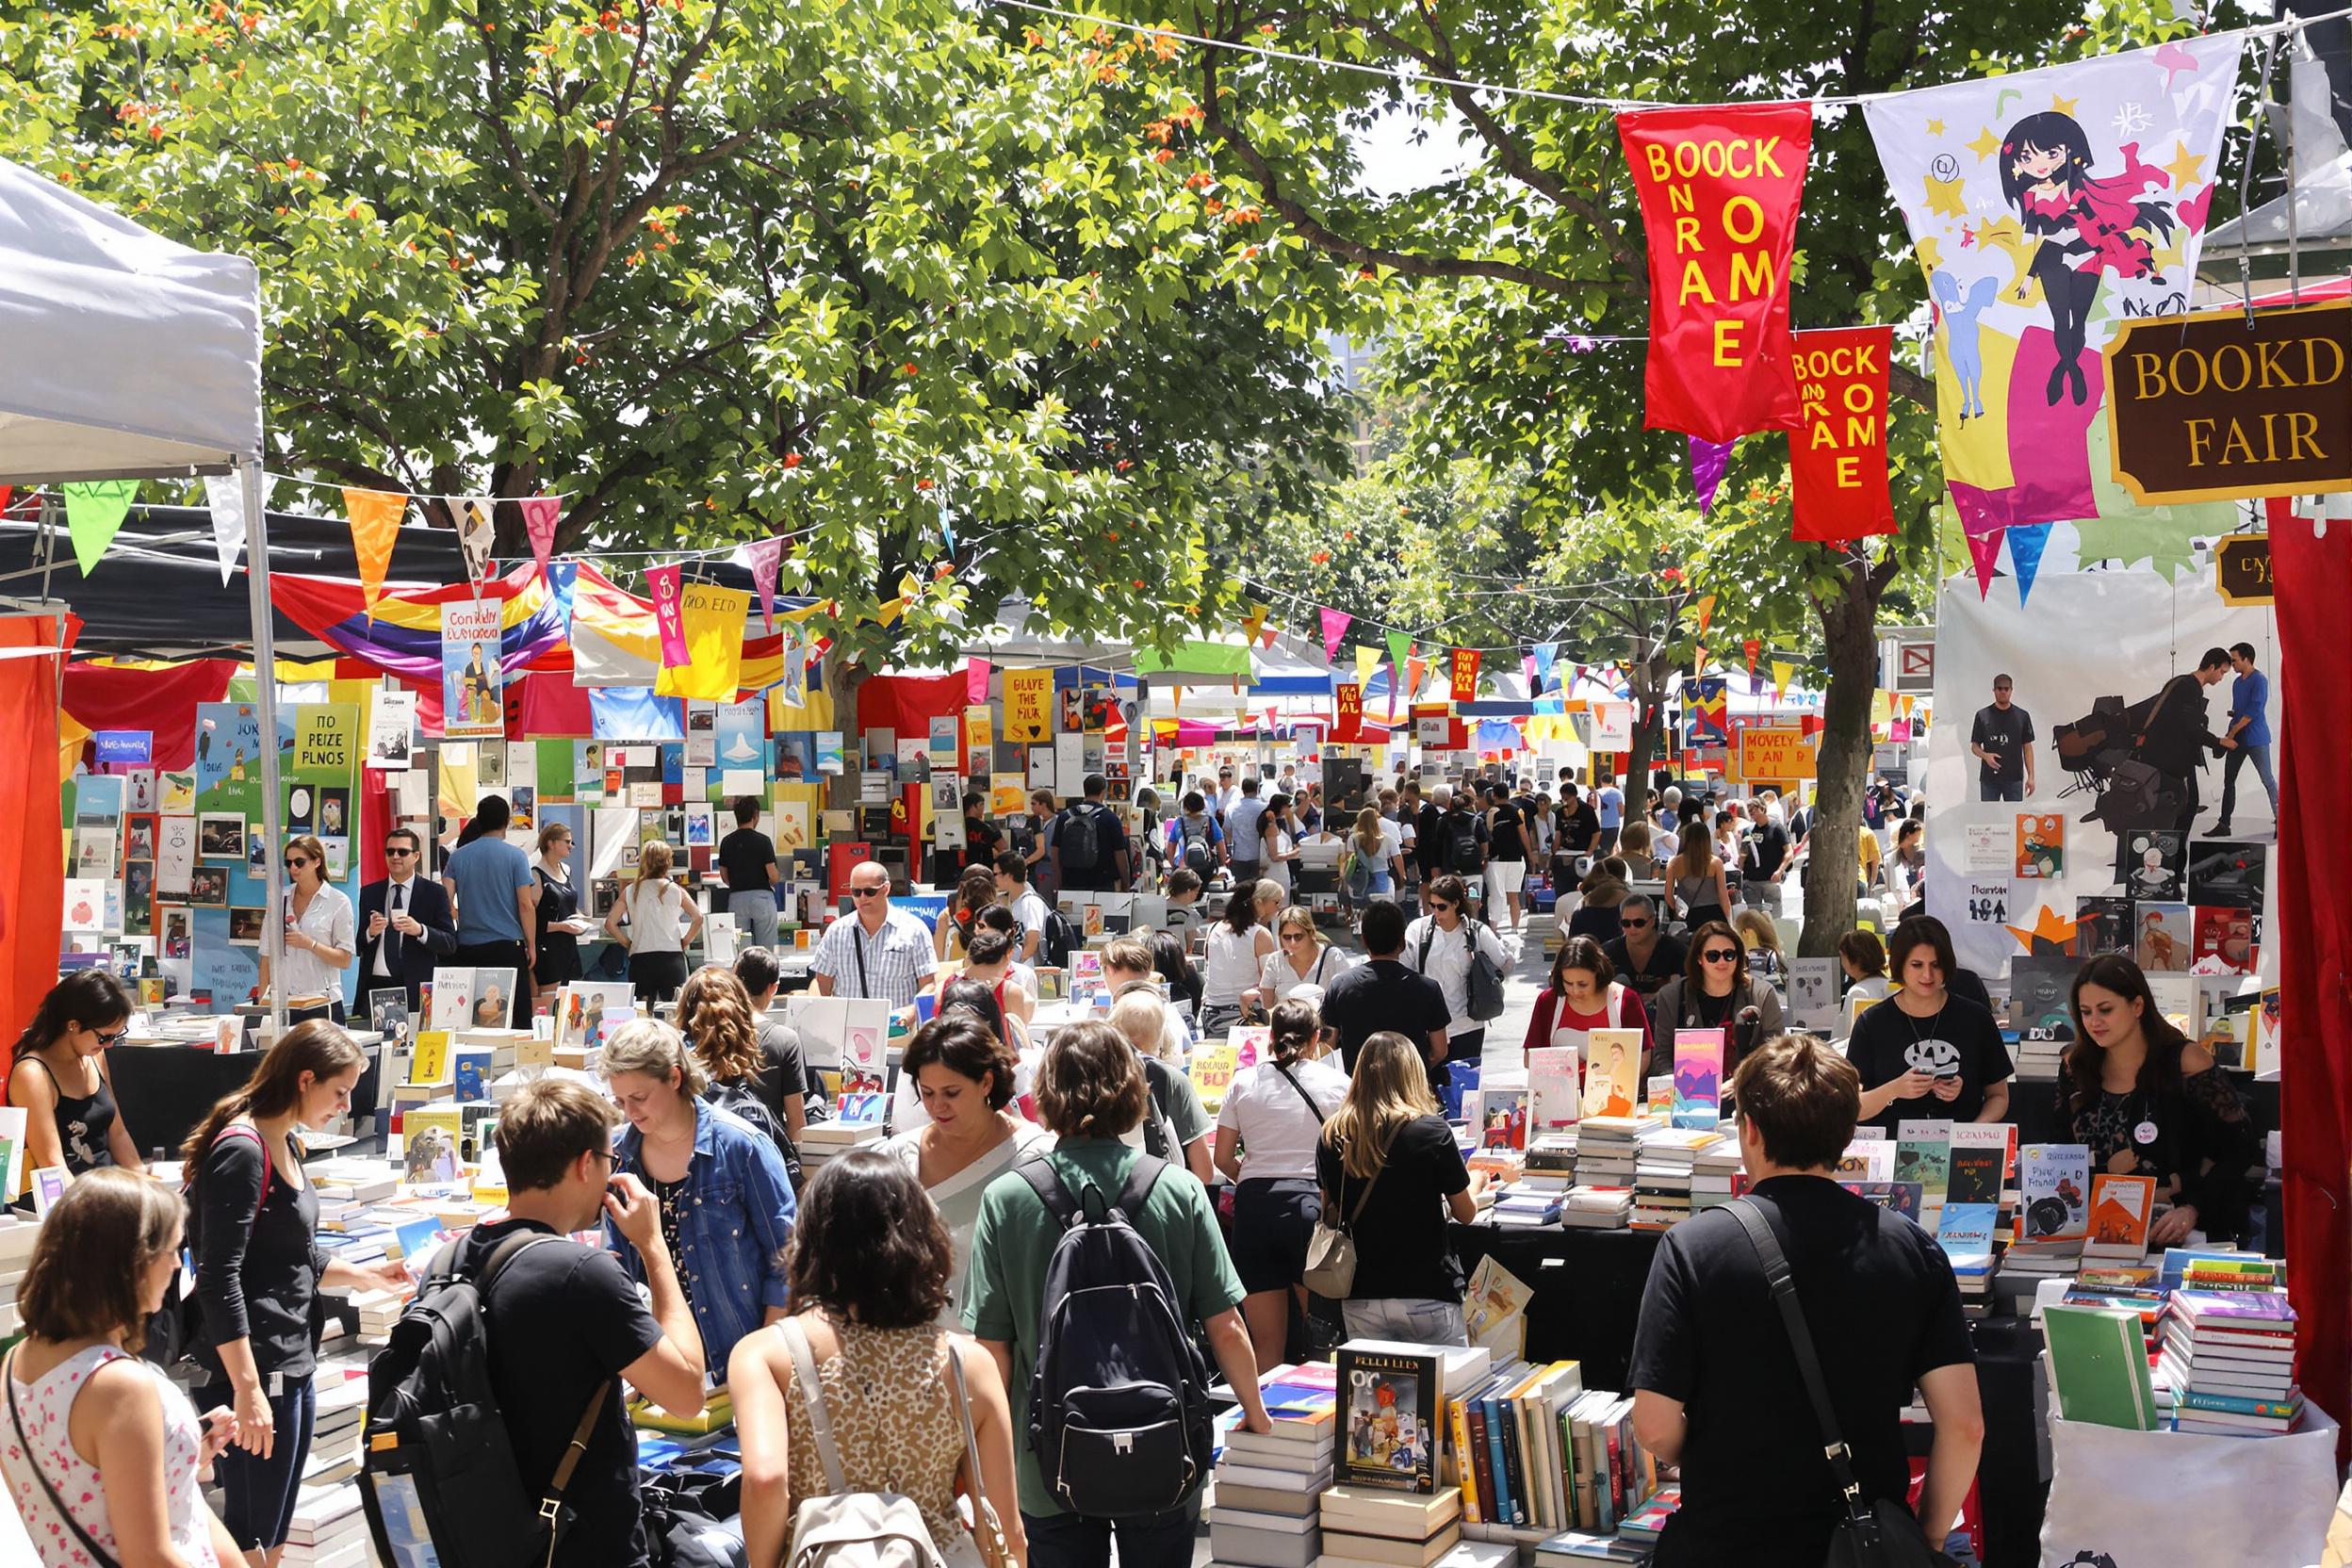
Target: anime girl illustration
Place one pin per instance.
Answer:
(2088, 227)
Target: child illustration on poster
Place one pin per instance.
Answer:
(471, 706)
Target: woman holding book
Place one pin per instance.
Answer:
(103, 1455)
(865, 1376)
(1266, 1134)
(1582, 995)
(2147, 1102)
(1714, 991)
(725, 1199)
(662, 922)
(1392, 1176)
(1239, 945)
(259, 1268)
(59, 1078)
(965, 1073)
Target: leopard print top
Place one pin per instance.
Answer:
(894, 1412)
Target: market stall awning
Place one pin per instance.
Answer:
(128, 355)
(1197, 659)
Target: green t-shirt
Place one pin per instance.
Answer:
(1015, 1239)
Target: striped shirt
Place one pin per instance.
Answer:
(891, 964)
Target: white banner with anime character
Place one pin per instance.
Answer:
(2046, 208)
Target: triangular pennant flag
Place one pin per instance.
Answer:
(1367, 659)
(1985, 550)
(1783, 671)
(1706, 610)
(977, 673)
(477, 531)
(1416, 668)
(94, 510)
(1254, 623)
(1399, 649)
(1336, 623)
(539, 512)
(2026, 541)
(375, 517)
(1751, 647)
(225, 495)
(763, 556)
(666, 587)
(1709, 459)
(1527, 670)
(1547, 659)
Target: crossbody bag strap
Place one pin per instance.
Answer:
(1303, 1091)
(813, 1390)
(1783, 1286)
(984, 1511)
(32, 1462)
(857, 941)
(1363, 1198)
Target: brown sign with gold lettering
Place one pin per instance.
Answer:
(2210, 406)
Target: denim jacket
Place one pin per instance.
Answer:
(737, 1214)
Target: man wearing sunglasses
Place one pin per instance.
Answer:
(875, 951)
(1645, 956)
(405, 926)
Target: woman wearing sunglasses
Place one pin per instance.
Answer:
(59, 1077)
(1714, 991)
(320, 937)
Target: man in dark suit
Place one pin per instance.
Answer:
(405, 925)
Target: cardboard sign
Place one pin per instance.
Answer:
(1028, 706)
(2212, 406)
(1775, 754)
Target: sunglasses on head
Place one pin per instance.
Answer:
(1720, 954)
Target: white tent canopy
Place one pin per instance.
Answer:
(128, 355)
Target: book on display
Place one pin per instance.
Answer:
(2099, 1366)
(2121, 1207)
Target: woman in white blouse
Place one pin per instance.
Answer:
(1438, 945)
(1278, 842)
(1303, 959)
(663, 923)
(1239, 945)
(319, 937)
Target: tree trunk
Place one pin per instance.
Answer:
(843, 679)
(1849, 627)
(1646, 682)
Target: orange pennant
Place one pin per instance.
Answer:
(375, 517)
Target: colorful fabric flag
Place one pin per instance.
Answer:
(2026, 543)
(763, 556)
(666, 586)
(976, 672)
(1547, 660)
(1751, 647)
(1984, 554)
(710, 618)
(539, 518)
(2047, 208)
(1416, 668)
(224, 494)
(1719, 187)
(1367, 659)
(94, 510)
(1254, 623)
(1336, 623)
(1709, 459)
(1465, 675)
(375, 517)
(1838, 461)
(1783, 671)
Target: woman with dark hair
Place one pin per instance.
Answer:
(1266, 1132)
(963, 1073)
(1905, 865)
(1239, 945)
(59, 1077)
(1694, 877)
(1582, 995)
(259, 1267)
(1173, 964)
(989, 964)
(105, 1447)
(1599, 895)
(2147, 1102)
(1714, 991)
(897, 1403)
(976, 889)
(320, 937)
(1927, 1041)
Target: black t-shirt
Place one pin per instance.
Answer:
(1579, 827)
(785, 1078)
(1504, 842)
(1883, 1309)
(1888, 1042)
(1768, 846)
(2006, 735)
(1383, 994)
(1425, 837)
(1667, 959)
(258, 1260)
(1402, 1246)
(745, 855)
(563, 1318)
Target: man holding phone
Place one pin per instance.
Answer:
(405, 925)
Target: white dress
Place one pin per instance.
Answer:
(45, 1407)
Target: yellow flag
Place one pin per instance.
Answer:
(1783, 671)
(1254, 623)
(1367, 659)
(1706, 610)
(713, 621)
(1881, 707)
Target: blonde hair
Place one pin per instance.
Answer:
(1300, 918)
(1141, 1017)
(1756, 924)
(1634, 837)
(654, 862)
(1389, 1087)
(1368, 836)
(649, 1046)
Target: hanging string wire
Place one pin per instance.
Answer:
(1391, 73)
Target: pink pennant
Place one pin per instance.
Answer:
(666, 586)
(762, 556)
(1336, 623)
(977, 673)
(1709, 459)
(539, 524)
(1985, 550)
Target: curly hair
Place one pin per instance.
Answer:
(869, 1245)
(714, 1013)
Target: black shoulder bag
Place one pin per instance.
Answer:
(1875, 1532)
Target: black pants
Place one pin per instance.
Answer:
(332, 1012)
(513, 955)
(657, 975)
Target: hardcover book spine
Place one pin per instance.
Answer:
(1512, 1463)
(1458, 1419)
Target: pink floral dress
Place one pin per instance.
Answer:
(46, 1405)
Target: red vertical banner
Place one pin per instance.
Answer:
(1465, 669)
(663, 586)
(32, 855)
(1837, 460)
(1347, 714)
(1720, 189)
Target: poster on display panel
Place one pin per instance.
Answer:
(2126, 784)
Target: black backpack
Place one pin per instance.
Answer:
(734, 1098)
(1118, 1410)
(1060, 939)
(1081, 838)
(435, 1442)
(1459, 834)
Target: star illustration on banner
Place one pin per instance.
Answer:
(2048, 926)
(2064, 105)
(2006, 234)
(1935, 127)
(2186, 169)
(1985, 145)
(1943, 196)
(1931, 251)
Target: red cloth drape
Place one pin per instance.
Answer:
(2314, 583)
(907, 704)
(160, 701)
(32, 868)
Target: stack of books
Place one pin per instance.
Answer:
(2131, 1287)
(378, 1309)
(1575, 1548)
(1598, 1208)
(1522, 1207)
(821, 1140)
(1664, 1167)
(1365, 1527)
(1608, 1147)
(2228, 1354)
(1551, 1160)
(1643, 1523)
(329, 1529)
(342, 1402)
(2038, 1054)
(1267, 1491)
(1716, 1177)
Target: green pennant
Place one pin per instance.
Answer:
(95, 511)
(1399, 649)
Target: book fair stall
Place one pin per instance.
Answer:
(2161, 1365)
